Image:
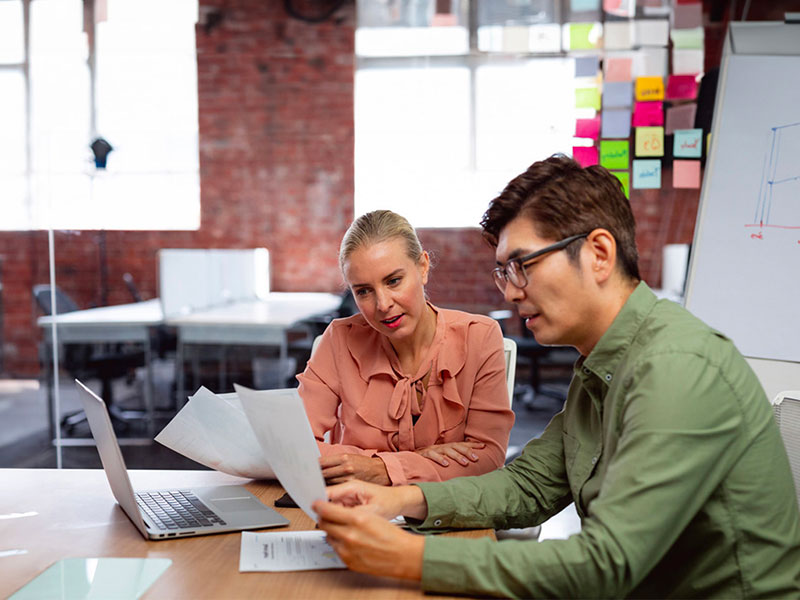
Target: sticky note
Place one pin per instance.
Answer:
(618, 69)
(587, 128)
(584, 5)
(515, 38)
(544, 37)
(625, 179)
(688, 143)
(687, 16)
(586, 66)
(651, 32)
(686, 174)
(618, 35)
(585, 155)
(686, 61)
(617, 94)
(680, 117)
(688, 38)
(649, 88)
(582, 36)
(681, 87)
(620, 8)
(647, 174)
(614, 154)
(616, 123)
(587, 98)
(651, 62)
(648, 114)
(649, 141)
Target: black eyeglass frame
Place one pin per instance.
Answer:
(500, 274)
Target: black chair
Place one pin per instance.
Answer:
(103, 362)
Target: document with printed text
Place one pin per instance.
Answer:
(287, 551)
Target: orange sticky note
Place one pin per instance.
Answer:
(649, 141)
(686, 174)
(649, 88)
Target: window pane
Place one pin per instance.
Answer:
(12, 46)
(12, 122)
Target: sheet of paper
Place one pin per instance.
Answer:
(587, 98)
(649, 141)
(214, 431)
(652, 32)
(688, 143)
(281, 426)
(585, 155)
(686, 174)
(687, 61)
(274, 551)
(587, 128)
(617, 94)
(648, 114)
(647, 174)
(616, 123)
(625, 179)
(649, 88)
(618, 35)
(614, 154)
(681, 87)
(618, 68)
(680, 117)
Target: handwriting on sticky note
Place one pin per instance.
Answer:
(614, 154)
(688, 143)
(649, 141)
(647, 174)
(649, 88)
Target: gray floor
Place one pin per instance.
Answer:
(25, 441)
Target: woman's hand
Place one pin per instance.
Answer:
(387, 502)
(370, 544)
(460, 452)
(339, 468)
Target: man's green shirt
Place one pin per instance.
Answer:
(670, 451)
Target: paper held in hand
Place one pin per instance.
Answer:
(257, 434)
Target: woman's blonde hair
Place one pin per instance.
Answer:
(379, 226)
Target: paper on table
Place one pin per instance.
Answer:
(214, 431)
(281, 426)
(287, 551)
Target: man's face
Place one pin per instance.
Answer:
(555, 303)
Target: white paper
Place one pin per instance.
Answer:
(281, 426)
(618, 35)
(287, 551)
(652, 32)
(213, 430)
(650, 62)
(687, 62)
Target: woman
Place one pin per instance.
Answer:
(408, 391)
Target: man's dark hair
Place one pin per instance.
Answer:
(563, 199)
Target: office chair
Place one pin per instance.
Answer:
(786, 406)
(104, 362)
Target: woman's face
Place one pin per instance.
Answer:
(388, 286)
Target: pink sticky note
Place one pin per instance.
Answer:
(686, 174)
(680, 117)
(587, 128)
(618, 69)
(585, 155)
(648, 114)
(681, 87)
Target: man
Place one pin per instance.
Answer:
(666, 444)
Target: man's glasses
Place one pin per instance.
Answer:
(514, 270)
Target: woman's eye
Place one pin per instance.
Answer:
(362, 292)
(394, 280)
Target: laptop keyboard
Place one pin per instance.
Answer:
(177, 509)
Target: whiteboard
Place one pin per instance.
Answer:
(744, 275)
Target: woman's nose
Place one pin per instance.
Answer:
(383, 300)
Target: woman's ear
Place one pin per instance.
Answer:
(602, 251)
(424, 265)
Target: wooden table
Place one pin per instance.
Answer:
(49, 514)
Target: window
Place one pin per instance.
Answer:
(136, 87)
(440, 129)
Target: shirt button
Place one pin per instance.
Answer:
(437, 523)
(586, 370)
(608, 376)
(594, 460)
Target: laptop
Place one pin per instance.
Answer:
(179, 512)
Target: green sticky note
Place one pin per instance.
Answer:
(583, 36)
(614, 154)
(587, 98)
(624, 178)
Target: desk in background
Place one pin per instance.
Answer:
(72, 513)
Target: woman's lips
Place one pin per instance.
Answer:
(394, 322)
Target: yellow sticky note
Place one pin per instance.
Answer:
(649, 141)
(649, 88)
(587, 98)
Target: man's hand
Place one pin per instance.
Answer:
(460, 452)
(387, 502)
(368, 543)
(339, 468)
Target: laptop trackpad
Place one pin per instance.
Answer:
(236, 504)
